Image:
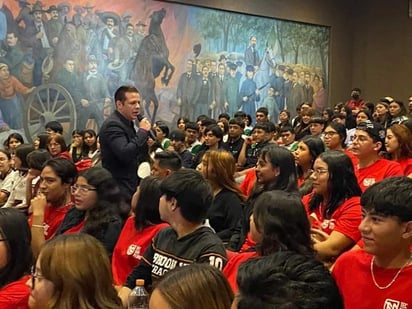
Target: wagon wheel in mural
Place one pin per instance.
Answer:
(46, 103)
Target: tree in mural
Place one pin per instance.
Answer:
(319, 40)
(216, 25)
(296, 37)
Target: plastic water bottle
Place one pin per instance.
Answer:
(139, 298)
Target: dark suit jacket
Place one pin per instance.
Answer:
(252, 57)
(122, 149)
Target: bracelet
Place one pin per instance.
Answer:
(38, 226)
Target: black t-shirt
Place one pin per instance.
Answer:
(234, 147)
(168, 252)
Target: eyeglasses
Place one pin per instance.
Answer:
(318, 171)
(54, 145)
(34, 276)
(81, 189)
(329, 133)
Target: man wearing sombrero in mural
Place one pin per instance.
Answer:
(54, 24)
(37, 37)
(90, 19)
(65, 9)
(111, 20)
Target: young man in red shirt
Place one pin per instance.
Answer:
(379, 275)
(368, 141)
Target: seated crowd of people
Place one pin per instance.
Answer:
(309, 212)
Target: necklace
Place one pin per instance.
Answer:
(394, 278)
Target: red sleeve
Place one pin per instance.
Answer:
(65, 155)
(406, 166)
(246, 185)
(130, 247)
(348, 217)
(232, 266)
(305, 200)
(394, 169)
(15, 295)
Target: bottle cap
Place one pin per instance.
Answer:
(140, 282)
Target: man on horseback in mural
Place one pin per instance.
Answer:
(252, 54)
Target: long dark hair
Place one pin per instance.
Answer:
(147, 209)
(342, 183)
(87, 148)
(22, 151)
(282, 158)
(109, 200)
(282, 220)
(316, 147)
(15, 231)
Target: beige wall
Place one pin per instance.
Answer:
(383, 48)
(371, 40)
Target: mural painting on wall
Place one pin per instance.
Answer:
(64, 60)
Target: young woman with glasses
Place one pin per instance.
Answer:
(98, 204)
(15, 258)
(334, 205)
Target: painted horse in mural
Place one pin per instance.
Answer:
(152, 58)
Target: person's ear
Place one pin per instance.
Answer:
(407, 234)
(173, 204)
(377, 146)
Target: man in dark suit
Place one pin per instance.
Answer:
(219, 99)
(36, 37)
(122, 148)
(188, 91)
(307, 89)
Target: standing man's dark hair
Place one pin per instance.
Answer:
(122, 148)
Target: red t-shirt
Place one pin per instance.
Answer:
(376, 172)
(406, 166)
(248, 244)
(130, 247)
(53, 217)
(355, 104)
(352, 272)
(246, 186)
(15, 295)
(352, 157)
(230, 270)
(76, 229)
(345, 219)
